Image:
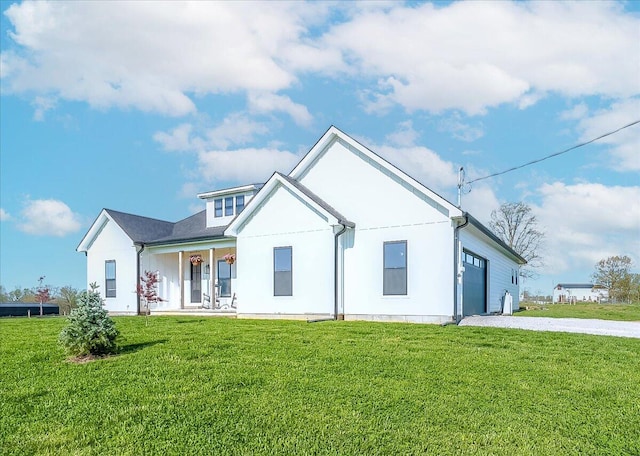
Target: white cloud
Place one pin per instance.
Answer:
(405, 135)
(4, 215)
(48, 218)
(42, 105)
(576, 112)
(625, 145)
(424, 165)
(466, 56)
(480, 201)
(244, 166)
(587, 222)
(152, 55)
(461, 130)
(235, 129)
(470, 56)
(177, 139)
(269, 102)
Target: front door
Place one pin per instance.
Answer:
(196, 282)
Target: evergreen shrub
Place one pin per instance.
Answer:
(89, 330)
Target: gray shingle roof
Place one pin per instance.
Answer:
(192, 228)
(145, 230)
(319, 201)
(141, 229)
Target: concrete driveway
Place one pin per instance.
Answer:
(572, 325)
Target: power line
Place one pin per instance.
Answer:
(555, 154)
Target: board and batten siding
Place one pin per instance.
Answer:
(385, 208)
(113, 244)
(500, 269)
(284, 220)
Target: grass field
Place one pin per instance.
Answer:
(188, 385)
(621, 312)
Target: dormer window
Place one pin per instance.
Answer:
(239, 204)
(217, 204)
(228, 206)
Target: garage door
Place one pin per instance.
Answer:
(474, 285)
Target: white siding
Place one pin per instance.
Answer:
(386, 209)
(429, 274)
(113, 244)
(499, 268)
(284, 220)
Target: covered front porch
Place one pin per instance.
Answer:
(194, 277)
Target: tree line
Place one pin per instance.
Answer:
(65, 297)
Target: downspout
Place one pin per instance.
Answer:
(456, 267)
(138, 275)
(336, 290)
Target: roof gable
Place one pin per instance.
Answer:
(303, 193)
(145, 230)
(333, 135)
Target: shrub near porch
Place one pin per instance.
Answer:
(186, 385)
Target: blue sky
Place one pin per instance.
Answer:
(138, 106)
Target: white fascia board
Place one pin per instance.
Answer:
(228, 191)
(264, 193)
(95, 229)
(334, 134)
(194, 245)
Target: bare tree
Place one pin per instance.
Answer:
(613, 273)
(516, 226)
(68, 299)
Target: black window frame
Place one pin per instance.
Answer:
(110, 292)
(387, 289)
(228, 206)
(217, 207)
(239, 203)
(279, 274)
(224, 291)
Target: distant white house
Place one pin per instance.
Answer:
(345, 234)
(579, 292)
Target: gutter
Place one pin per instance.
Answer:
(456, 266)
(138, 275)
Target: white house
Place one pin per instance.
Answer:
(583, 292)
(344, 235)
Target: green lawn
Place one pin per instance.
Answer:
(188, 385)
(622, 312)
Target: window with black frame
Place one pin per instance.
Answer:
(239, 204)
(282, 271)
(110, 278)
(228, 206)
(224, 278)
(395, 268)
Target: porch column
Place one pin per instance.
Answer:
(212, 271)
(181, 277)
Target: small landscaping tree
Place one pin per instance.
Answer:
(89, 330)
(43, 294)
(148, 291)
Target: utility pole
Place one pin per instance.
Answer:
(460, 184)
